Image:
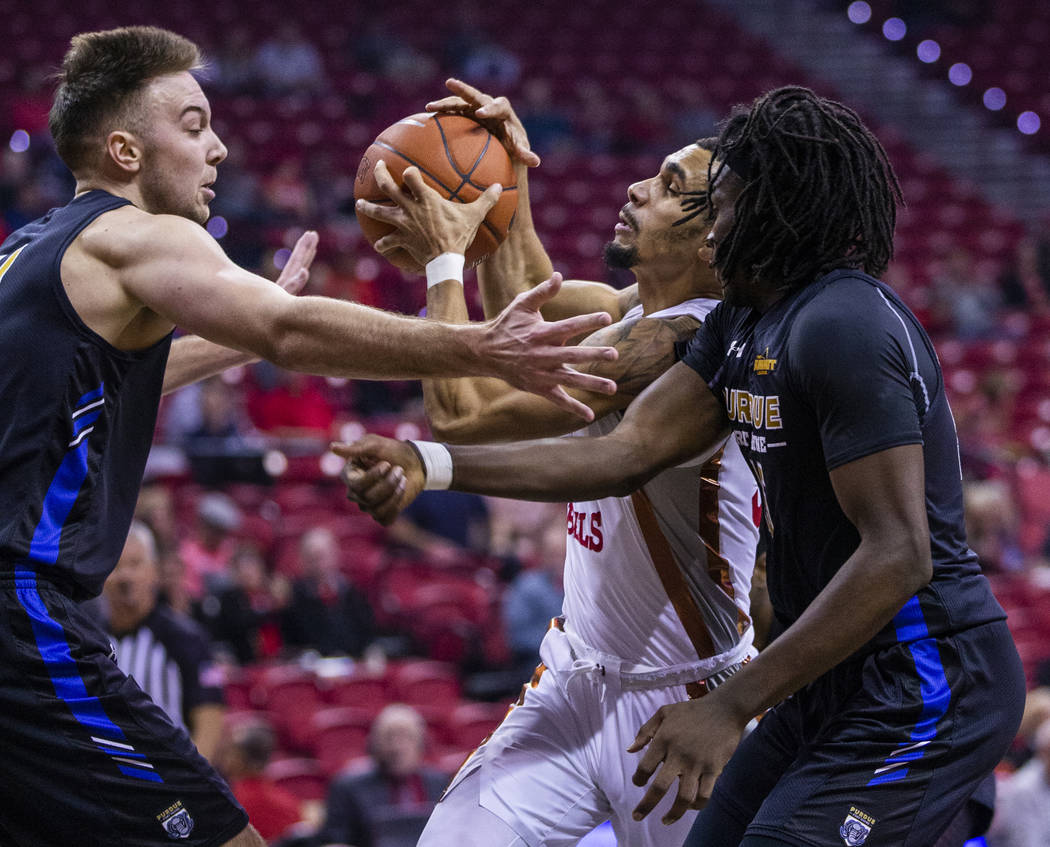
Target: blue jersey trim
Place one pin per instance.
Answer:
(936, 694)
(58, 659)
(69, 686)
(67, 482)
(149, 776)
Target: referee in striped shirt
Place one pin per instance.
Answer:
(166, 652)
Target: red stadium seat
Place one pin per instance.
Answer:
(427, 683)
(302, 777)
(471, 723)
(340, 734)
(360, 691)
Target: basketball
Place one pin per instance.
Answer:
(457, 157)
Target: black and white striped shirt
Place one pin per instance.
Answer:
(170, 658)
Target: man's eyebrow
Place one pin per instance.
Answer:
(676, 169)
(198, 109)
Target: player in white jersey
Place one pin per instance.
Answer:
(656, 583)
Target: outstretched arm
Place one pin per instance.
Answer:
(477, 410)
(522, 261)
(192, 358)
(675, 419)
(176, 270)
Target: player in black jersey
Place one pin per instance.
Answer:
(895, 686)
(89, 296)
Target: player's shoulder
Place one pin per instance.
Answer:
(843, 302)
(127, 234)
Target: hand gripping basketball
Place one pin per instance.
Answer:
(425, 223)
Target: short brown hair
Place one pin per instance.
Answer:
(102, 73)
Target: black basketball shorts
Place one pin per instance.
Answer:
(881, 751)
(88, 759)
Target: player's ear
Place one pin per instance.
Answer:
(124, 149)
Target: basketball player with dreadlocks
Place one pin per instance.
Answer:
(895, 687)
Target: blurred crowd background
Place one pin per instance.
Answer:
(317, 618)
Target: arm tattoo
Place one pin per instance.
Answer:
(646, 348)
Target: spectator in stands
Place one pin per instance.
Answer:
(442, 524)
(534, 597)
(394, 795)
(963, 300)
(273, 810)
(233, 68)
(156, 510)
(1021, 807)
(207, 553)
(286, 192)
(549, 128)
(991, 525)
(326, 612)
(289, 405)
(223, 422)
(242, 613)
(1023, 285)
(167, 653)
(288, 62)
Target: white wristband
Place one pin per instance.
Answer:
(446, 266)
(437, 464)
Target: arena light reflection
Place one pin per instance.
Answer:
(894, 29)
(960, 74)
(859, 12)
(928, 51)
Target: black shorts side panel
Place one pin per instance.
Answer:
(88, 758)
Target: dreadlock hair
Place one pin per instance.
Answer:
(819, 193)
(101, 77)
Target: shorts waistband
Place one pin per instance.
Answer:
(21, 575)
(698, 678)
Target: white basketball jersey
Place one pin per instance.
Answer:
(661, 578)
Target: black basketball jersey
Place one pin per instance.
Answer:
(836, 371)
(77, 417)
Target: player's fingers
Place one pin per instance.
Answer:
(377, 485)
(386, 183)
(380, 211)
(489, 197)
(295, 282)
(388, 244)
(468, 92)
(580, 325)
(498, 109)
(454, 105)
(540, 294)
(646, 734)
(685, 799)
(660, 785)
(560, 398)
(586, 382)
(703, 792)
(303, 252)
(413, 181)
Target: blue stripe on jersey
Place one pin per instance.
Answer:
(58, 659)
(149, 776)
(85, 421)
(94, 394)
(64, 488)
(61, 667)
(933, 684)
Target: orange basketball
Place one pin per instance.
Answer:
(457, 157)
